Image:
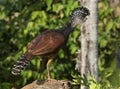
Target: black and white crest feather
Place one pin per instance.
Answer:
(80, 11)
(79, 15)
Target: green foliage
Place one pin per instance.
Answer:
(109, 43)
(22, 20)
(103, 83)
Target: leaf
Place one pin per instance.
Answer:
(73, 48)
(2, 15)
(109, 25)
(38, 64)
(61, 54)
(49, 2)
(57, 7)
(33, 62)
(29, 74)
(102, 42)
(76, 34)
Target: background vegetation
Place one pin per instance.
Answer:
(22, 20)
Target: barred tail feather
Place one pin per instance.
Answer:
(20, 65)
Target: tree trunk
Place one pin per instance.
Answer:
(89, 43)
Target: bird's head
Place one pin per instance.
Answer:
(79, 15)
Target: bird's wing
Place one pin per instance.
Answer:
(46, 43)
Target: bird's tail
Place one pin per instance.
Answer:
(21, 64)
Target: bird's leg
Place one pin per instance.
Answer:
(48, 68)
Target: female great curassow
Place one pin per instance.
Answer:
(48, 43)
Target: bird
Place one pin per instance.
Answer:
(48, 43)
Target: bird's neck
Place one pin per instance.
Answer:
(66, 30)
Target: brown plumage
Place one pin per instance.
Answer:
(48, 43)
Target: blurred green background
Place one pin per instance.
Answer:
(22, 20)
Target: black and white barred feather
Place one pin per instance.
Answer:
(20, 65)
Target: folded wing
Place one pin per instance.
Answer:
(46, 43)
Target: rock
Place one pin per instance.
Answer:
(49, 84)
